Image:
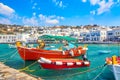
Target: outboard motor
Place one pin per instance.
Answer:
(84, 57)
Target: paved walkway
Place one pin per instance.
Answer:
(7, 73)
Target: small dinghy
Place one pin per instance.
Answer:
(104, 52)
(62, 63)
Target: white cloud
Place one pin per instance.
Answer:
(52, 19)
(52, 16)
(84, 1)
(34, 14)
(94, 2)
(30, 21)
(104, 6)
(6, 10)
(59, 3)
(59, 17)
(4, 21)
(42, 17)
(34, 6)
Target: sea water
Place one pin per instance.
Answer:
(11, 58)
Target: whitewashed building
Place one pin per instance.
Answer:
(84, 34)
(114, 34)
(9, 38)
(95, 35)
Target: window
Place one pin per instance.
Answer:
(110, 33)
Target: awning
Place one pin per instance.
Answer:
(67, 38)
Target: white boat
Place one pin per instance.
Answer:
(116, 71)
(114, 66)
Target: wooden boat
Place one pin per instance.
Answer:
(62, 63)
(35, 53)
(114, 65)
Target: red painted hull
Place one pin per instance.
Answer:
(64, 65)
(35, 54)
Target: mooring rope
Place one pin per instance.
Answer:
(100, 73)
(9, 57)
(5, 60)
(8, 53)
(27, 67)
(70, 75)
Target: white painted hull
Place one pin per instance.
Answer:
(116, 71)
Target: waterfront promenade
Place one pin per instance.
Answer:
(7, 73)
(97, 42)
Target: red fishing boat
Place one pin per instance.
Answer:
(62, 63)
(35, 53)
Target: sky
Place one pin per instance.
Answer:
(60, 12)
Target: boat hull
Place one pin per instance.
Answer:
(35, 54)
(114, 65)
(64, 64)
(116, 71)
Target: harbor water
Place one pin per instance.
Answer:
(11, 58)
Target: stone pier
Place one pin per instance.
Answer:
(7, 73)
